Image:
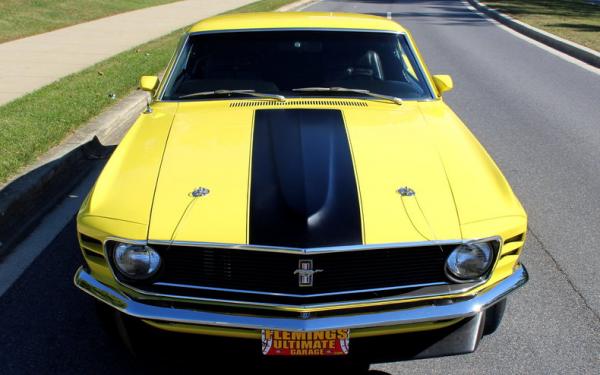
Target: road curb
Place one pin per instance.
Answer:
(572, 49)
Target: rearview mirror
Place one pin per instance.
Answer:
(149, 83)
(443, 83)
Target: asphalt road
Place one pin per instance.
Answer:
(538, 116)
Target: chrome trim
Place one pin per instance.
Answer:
(424, 291)
(422, 287)
(313, 250)
(428, 83)
(123, 240)
(427, 312)
(306, 273)
(167, 81)
(428, 76)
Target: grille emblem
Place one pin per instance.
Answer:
(305, 272)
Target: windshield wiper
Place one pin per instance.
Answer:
(280, 98)
(344, 89)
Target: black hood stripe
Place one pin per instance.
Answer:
(303, 189)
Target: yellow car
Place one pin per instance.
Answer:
(298, 180)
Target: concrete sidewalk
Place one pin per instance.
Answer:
(30, 63)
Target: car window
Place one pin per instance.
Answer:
(279, 61)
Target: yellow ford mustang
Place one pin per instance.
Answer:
(298, 180)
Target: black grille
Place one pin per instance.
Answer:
(264, 271)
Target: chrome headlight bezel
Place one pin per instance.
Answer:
(124, 257)
(488, 247)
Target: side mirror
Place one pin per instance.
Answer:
(149, 83)
(443, 83)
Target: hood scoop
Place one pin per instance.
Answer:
(302, 102)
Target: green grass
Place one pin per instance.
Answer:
(575, 20)
(20, 18)
(31, 125)
(262, 6)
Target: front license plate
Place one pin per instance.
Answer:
(318, 343)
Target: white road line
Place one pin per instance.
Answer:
(546, 48)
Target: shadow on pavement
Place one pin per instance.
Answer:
(49, 326)
(25, 200)
(430, 11)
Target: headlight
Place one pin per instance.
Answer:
(136, 261)
(470, 261)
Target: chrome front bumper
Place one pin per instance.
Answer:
(463, 308)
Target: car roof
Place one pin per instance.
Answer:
(294, 20)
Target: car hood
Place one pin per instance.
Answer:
(329, 173)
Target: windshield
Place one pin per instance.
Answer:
(281, 62)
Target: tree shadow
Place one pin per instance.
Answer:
(560, 8)
(430, 11)
(578, 27)
(25, 200)
(564, 8)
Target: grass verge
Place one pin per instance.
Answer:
(262, 6)
(20, 18)
(575, 20)
(31, 125)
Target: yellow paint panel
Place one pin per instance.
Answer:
(256, 334)
(392, 146)
(241, 21)
(505, 227)
(392, 149)
(480, 190)
(206, 330)
(101, 228)
(403, 328)
(125, 187)
(208, 147)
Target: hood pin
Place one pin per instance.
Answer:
(405, 191)
(199, 192)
